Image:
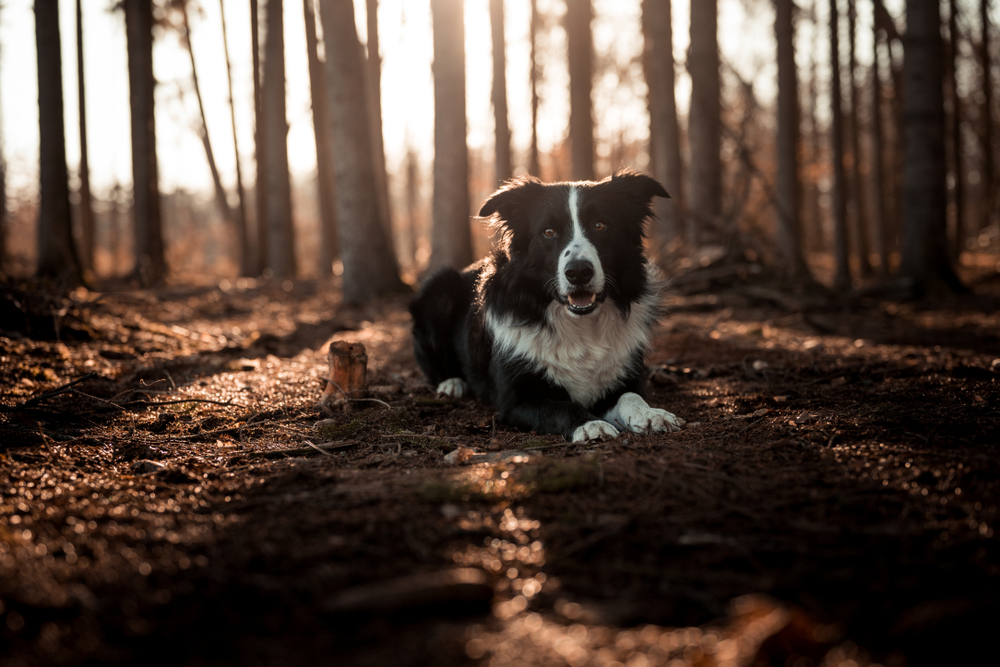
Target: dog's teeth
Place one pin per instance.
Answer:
(582, 300)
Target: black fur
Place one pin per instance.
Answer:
(518, 282)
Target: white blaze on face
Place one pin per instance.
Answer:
(579, 247)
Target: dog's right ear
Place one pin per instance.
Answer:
(512, 197)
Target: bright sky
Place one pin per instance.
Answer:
(407, 88)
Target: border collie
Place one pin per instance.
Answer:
(551, 329)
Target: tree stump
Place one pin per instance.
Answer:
(348, 375)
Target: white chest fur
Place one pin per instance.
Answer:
(585, 355)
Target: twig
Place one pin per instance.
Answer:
(301, 451)
(32, 402)
(348, 398)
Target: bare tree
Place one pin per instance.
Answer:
(838, 193)
(664, 133)
(150, 264)
(987, 114)
(57, 257)
(373, 89)
(503, 169)
(261, 261)
(579, 16)
(451, 239)
(241, 210)
(704, 122)
(3, 193)
(370, 267)
(860, 209)
(533, 166)
(788, 187)
(955, 143)
(877, 156)
(278, 218)
(85, 206)
(326, 186)
(924, 258)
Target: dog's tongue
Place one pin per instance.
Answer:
(582, 299)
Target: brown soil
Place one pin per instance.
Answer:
(832, 500)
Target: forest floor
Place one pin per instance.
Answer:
(167, 496)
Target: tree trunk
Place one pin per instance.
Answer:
(987, 116)
(370, 267)
(503, 169)
(373, 89)
(579, 15)
(86, 207)
(534, 168)
(877, 175)
(150, 259)
(57, 257)
(958, 192)
(860, 216)
(280, 232)
(788, 188)
(664, 133)
(242, 240)
(925, 256)
(326, 186)
(451, 239)
(704, 123)
(261, 260)
(221, 199)
(838, 194)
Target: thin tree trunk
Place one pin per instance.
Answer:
(373, 88)
(3, 195)
(878, 150)
(280, 232)
(860, 217)
(579, 15)
(503, 170)
(842, 274)
(451, 238)
(704, 123)
(150, 259)
(261, 260)
(987, 115)
(370, 267)
(242, 239)
(412, 207)
(789, 187)
(326, 186)
(534, 168)
(57, 257)
(86, 206)
(221, 199)
(958, 192)
(925, 256)
(812, 234)
(664, 133)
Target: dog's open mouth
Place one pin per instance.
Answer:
(581, 303)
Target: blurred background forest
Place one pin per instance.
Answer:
(201, 139)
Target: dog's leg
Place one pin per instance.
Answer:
(597, 429)
(632, 413)
(453, 387)
(574, 422)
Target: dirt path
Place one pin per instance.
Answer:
(833, 498)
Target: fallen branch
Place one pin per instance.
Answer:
(311, 450)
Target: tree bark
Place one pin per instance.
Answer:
(242, 240)
(925, 257)
(664, 133)
(326, 186)
(150, 259)
(958, 172)
(502, 162)
(788, 188)
(987, 115)
(451, 238)
(860, 217)
(280, 232)
(838, 194)
(370, 267)
(373, 89)
(57, 256)
(86, 207)
(704, 124)
(579, 15)
(534, 168)
(878, 149)
(261, 260)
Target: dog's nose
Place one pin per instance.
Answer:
(579, 272)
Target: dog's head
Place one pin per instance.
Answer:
(583, 239)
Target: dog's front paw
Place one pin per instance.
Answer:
(598, 429)
(632, 413)
(453, 387)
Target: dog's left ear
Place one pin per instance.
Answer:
(639, 187)
(511, 197)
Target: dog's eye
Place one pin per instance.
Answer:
(549, 233)
(599, 226)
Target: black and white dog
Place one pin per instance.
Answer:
(551, 329)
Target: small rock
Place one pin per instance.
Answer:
(145, 467)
